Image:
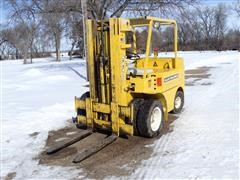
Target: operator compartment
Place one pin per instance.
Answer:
(152, 69)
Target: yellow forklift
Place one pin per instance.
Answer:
(130, 93)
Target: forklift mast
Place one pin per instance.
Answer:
(107, 59)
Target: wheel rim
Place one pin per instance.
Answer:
(156, 118)
(178, 102)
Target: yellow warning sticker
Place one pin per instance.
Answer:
(155, 64)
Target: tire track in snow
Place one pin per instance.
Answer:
(161, 145)
(162, 149)
(169, 142)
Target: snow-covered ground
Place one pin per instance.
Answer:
(205, 140)
(38, 97)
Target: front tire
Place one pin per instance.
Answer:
(82, 112)
(83, 97)
(150, 118)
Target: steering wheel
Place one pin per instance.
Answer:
(132, 55)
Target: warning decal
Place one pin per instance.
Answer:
(155, 64)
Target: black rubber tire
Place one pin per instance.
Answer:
(83, 97)
(178, 110)
(137, 102)
(144, 118)
(82, 112)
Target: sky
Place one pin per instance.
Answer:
(4, 9)
(215, 2)
(232, 19)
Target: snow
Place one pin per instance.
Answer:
(204, 143)
(36, 98)
(205, 140)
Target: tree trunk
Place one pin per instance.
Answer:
(57, 44)
(70, 58)
(71, 51)
(57, 54)
(31, 54)
(24, 58)
(17, 55)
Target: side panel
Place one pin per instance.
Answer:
(169, 96)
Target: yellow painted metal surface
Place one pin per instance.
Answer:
(112, 88)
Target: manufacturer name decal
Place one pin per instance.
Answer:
(169, 78)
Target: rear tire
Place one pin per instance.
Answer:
(150, 118)
(178, 102)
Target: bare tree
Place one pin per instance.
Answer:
(7, 51)
(52, 20)
(17, 37)
(75, 34)
(100, 9)
(236, 8)
(232, 39)
(220, 26)
(45, 12)
(54, 29)
(159, 7)
(21, 39)
(6, 48)
(185, 31)
(206, 20)
(22, 13)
